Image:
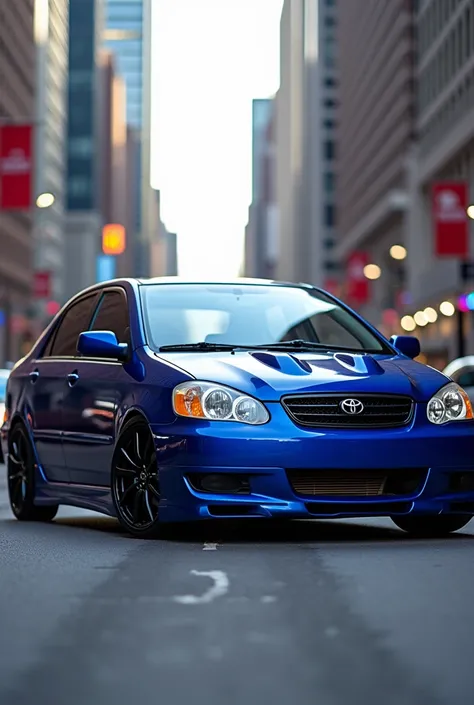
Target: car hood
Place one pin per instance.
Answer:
(269, 375)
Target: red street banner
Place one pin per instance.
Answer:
(16, 167)
(42, 285)
(450, 201)
(357, 283)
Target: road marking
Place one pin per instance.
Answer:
(220, 587)
(210, 547)
(268, 598)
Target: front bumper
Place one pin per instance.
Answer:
(265, 454)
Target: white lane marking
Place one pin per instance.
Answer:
(268, 598)
(210, 547)
(220, 587)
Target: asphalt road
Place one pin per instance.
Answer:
(325, 613)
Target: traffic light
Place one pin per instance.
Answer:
(113, 239)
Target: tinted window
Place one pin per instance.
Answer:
(75, 321)
(112, 315)
(465, 378)
(248, 314)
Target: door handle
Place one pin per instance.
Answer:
(72, 378)
(34, 376)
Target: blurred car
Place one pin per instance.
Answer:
(4, 375)
(165, 401)
(462, 372)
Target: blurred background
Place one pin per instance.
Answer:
(325, 141)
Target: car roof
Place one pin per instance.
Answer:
(238, 281)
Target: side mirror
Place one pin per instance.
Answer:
(406, 344)
(101, 343)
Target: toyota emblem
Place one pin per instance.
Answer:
(352, 406)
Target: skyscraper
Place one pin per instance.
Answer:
(52, 39)
(17, 96)
(84, 219)
(127, 34)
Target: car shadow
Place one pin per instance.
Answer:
(260, 531)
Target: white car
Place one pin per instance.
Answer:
(4, 375)
(461, 371)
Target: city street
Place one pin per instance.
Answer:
(329, 613)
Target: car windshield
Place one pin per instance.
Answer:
(177, 314)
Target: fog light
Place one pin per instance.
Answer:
(220, 483)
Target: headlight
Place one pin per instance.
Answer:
(451, 403)
(203, 400)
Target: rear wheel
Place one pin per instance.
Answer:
(432, 526)
(135, 482)
(21, 479)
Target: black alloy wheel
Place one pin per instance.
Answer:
(436, 526)
(135, 481)
(21, 478)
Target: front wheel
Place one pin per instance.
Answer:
(432, 526)
(21, 479)
(135, 482)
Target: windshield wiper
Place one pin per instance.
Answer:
(283, 346)
(199, 347)
(306, 345)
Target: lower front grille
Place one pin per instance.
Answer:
(357, 483)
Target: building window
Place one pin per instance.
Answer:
(329, 182)
(329, 216)
(330, 103)
(330, 82)
(329, 124)
(79, 186)
(329, 150)
(80, 146)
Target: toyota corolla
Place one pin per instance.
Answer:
(166, 401)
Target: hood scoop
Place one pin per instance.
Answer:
(359, 364)
(283, 362)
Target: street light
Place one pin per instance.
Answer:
(408, 323)
(398, 252)
(470, 212)
(420, 318)
(430, 315)
(45, 200)
(372, 271)
(447, 308)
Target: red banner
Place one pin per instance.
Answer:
(357, 283)
(42, 285)
(16, 167)
(450, 201)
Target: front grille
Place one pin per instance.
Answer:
(371, 410)
(357, 483)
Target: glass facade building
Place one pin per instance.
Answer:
(124, 37)
(127, 32)
(82, 187)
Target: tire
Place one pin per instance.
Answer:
(21, 479)
(432, 526)
(135, 481)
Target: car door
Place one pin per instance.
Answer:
(47, 385)
(96, 389)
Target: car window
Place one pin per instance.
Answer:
(465, 377)
(112, 314)
(75, 321)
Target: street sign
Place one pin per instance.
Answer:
(42, 285)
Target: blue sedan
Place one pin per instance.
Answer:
(167, 401)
